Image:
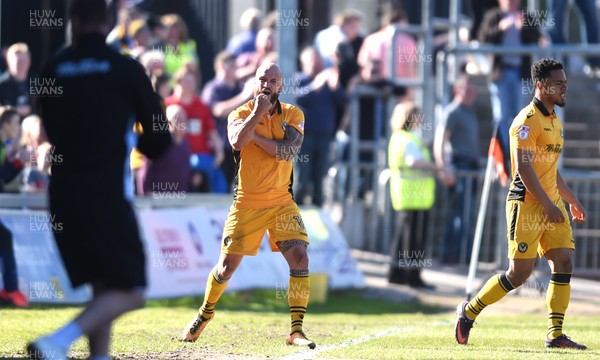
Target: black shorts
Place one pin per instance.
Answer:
(99, 241)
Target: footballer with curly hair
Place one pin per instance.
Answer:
(537, 220)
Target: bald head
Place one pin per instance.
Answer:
(269, 69)
(269, 81)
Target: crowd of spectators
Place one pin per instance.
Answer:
(340, 57)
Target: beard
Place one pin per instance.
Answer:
(273, 96)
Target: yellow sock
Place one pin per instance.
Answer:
(215, 286)
(494, 289)
(557, 299)
(298, 294)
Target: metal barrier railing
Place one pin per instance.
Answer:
(493, 245)
(378, 239)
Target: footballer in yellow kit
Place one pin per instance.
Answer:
(262, 188)
(265, 135)
(539, 134)
(537, 220)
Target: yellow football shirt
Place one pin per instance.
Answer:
(541, 132)
(264, 181)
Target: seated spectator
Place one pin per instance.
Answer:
(248, 63)
(319, 94)
(244, 42)
(14, 84)
(38, 152)
(171, 172)
(224, 94)
(206, 144)
(180, 50)
(11, 163)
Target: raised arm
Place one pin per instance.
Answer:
(241, 131)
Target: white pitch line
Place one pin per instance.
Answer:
(309, 354)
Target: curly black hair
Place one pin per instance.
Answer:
(540, 70)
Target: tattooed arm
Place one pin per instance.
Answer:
(284, 149)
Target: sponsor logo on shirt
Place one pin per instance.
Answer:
(82, 67)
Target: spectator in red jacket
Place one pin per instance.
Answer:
(205, 142)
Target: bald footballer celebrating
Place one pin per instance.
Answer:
(265, 135)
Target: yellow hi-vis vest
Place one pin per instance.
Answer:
(410, 189)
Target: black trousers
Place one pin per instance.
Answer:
(7, 259)
(407, 250)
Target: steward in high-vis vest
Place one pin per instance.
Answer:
(412, 189)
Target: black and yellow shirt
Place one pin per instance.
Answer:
(540, 132)
(261, 180)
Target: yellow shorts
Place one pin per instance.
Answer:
(529, 232)
(245, 228)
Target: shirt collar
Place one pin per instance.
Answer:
(541, 106)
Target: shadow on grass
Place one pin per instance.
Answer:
(348, 301)
(339, 301)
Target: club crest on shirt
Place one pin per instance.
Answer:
(523, 247)
(524, 132)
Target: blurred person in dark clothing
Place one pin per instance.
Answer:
(318, 94)
(248, 63)
(224, 94)
(508, 26)
(10, 167)
(91, 127)
(10, 162)
(15, 83)
(346, 53)
(244, 42)
(589, 13)
(141, 37)
(456, 148)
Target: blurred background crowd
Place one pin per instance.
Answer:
(339, 57)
